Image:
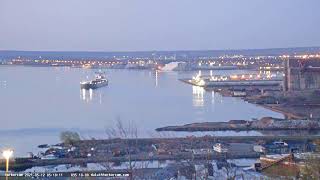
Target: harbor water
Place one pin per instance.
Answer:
(37, 103)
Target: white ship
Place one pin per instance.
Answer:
(99, 81)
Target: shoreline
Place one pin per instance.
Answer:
(266, 123)
(282, 111)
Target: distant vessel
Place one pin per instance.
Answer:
(99, 81)
(172, 66)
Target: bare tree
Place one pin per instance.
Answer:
(230, 170)
(311, 169)
(69, 137)
(129, 136)
(142, 166)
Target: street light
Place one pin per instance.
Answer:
(7, 154)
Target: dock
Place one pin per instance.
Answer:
(236, 84)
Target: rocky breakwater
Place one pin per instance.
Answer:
(266, 123)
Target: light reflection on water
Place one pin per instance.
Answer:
(156, 78)
(198, 96)
(90, 95)
(212, 97)
(3, 83)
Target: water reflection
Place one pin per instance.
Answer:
(212, 96)
(198, 96)
(3, 84)
(156, 77)
(90, 95)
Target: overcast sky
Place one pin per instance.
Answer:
(137, 25)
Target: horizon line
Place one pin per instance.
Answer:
(131, 51)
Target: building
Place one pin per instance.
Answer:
(302, 74)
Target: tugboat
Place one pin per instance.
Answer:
(99, 81)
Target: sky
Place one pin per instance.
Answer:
(142, 25)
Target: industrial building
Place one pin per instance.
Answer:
(302, 74)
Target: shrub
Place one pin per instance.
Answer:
(68, 137)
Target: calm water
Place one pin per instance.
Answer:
(37, 103)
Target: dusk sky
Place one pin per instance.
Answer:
(138, 25)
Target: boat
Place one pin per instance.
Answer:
(99, 81)
(221, 148)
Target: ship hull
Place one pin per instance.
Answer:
(93, 85)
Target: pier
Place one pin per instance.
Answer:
(241, 81)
